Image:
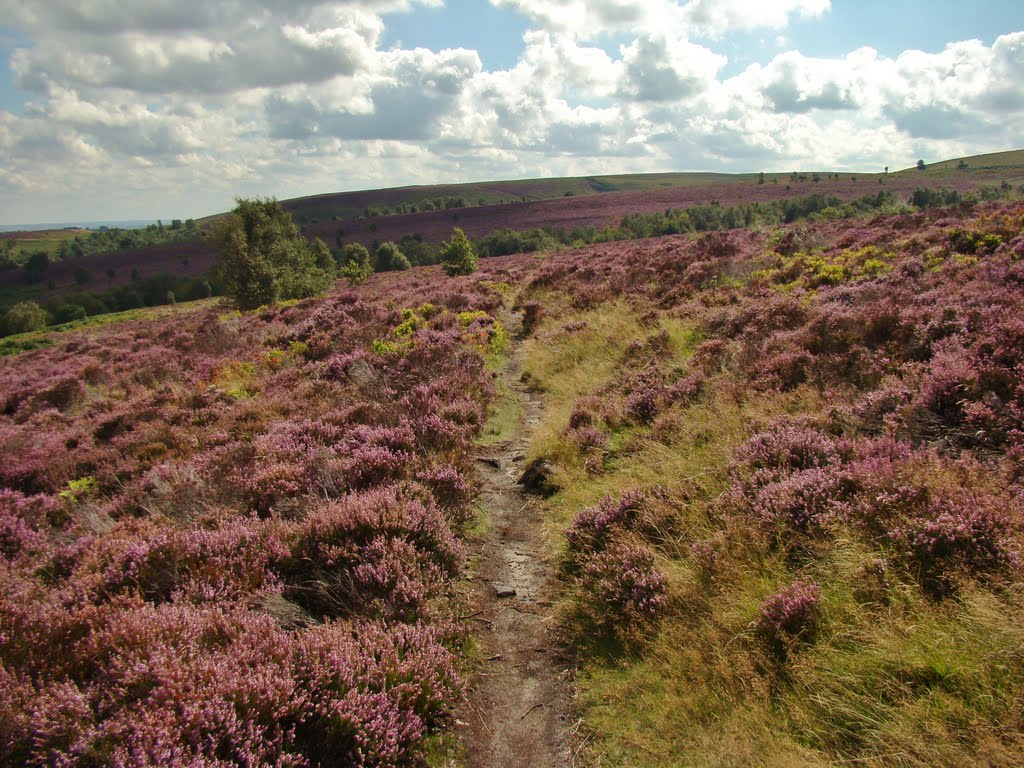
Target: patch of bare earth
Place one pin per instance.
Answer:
(518, 711)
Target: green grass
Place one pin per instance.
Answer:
(1011, 159)
(503, 417)
(890, 677)
(49, 241)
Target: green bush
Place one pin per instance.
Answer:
(24, 317)
(389, 257)
(457, 255)
(264, 257)
(355, 263)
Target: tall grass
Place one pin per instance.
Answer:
(890, 675)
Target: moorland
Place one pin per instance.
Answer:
(776, 434)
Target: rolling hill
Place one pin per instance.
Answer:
(562, 203)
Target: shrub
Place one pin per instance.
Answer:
(23, 317)
(644, 400)
(623, 584)
(457, 255)
(355, 264)
(790, 614)
(264, 257)
(707, 553)
(367, 546)
(783, 449)
(804, 501)
(374, 691)
(449, 488)
(389, 257)
(965, 533)
(593, 526)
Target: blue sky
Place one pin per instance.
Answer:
(890, 26)
(171, 108)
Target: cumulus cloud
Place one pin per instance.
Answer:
(657, 68)
(717, 17)
(410, 93)
(136, 103)
(234, 51)
(590, 19)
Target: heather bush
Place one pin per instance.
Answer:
(160, 563)
(24, 521)
(783, 370)
(706, 554)
(687, 390)
(622, 586)
(783, 449)
(966, 533)
(590, 411)
(645, 394)
(594, 527)
(374, 692)
(805, 501)
(790, 615)
(132, 616)
(383, 552)
(450, 490)
(588, 439)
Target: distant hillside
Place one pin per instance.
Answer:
(563, 203)
(347, 205)
(1011, 161)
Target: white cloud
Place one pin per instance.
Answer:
(717, 17)
(176, 106)
(590, 19)
(408, 94)
(247, 51)
(658, 68)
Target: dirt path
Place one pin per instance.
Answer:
(518, 709)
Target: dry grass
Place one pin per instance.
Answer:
(891, 678)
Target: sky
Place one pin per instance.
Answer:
(144, 109)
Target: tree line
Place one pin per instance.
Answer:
(265, 258)
(100, 241)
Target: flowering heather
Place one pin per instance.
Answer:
(382, 551)
(958, 532)
(163, 487)
(594, 526)
(781, 450)
(624, 584)
(804, 501)
(23, 522)
(707, 553)
(450, 489)
(791, 613)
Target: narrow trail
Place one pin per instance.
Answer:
(518, 711)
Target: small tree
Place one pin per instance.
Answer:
(457, 255)
(390, 257)
(24, 317)
(920, 165)
(355, 263)
(36, 266)
(264, 257)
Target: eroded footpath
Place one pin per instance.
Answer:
(518, 712)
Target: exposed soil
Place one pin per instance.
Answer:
(518, 713)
